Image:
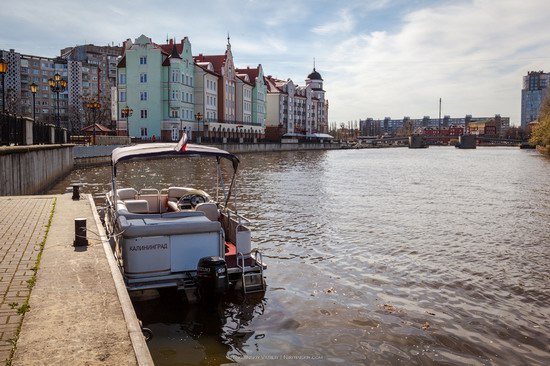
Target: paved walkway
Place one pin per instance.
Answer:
(79, 311)
(23, 225)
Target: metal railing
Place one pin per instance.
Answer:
(19, 130)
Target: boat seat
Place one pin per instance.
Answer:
(137, 206)
(126, 194)
(172, 206)
(210, 210)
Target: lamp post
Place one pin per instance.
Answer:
(94, 106)
(239, 130)
(198, 117)
(34, 89)
(127, 112)
(57, 85)
(3, 70)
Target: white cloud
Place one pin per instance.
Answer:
(344, 24)
(471, 55)
(378, 58)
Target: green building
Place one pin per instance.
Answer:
(156, 83)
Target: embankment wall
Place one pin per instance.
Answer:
(27, 170)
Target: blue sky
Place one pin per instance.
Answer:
(378, 58)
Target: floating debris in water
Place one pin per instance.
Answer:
(425, 326)
(390, 309)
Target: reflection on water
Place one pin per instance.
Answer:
(379, 256)
(194, 333)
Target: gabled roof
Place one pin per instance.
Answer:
(98, 128)
(245, 79)
(204, 67)
(252, 73)
(218, 61)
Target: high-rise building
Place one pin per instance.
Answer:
(88, 70)
(535, 87)
(24, 70)
(91, 75)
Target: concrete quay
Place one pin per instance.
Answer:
(78, 311)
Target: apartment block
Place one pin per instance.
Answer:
(535, 87)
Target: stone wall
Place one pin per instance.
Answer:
(27, 170)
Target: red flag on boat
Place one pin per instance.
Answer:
(182, 144)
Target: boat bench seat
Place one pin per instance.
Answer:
(156, 226)
(137, 206)
(122, 210)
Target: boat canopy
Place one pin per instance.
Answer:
(169, 149)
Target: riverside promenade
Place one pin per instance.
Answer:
(67, 305)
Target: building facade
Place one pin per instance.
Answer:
(157, 83)
(296, 111)
(407, 125)
(259, 91)
(535, 87)
(171, 91)
(91, 76)
(24, 70)
(227, 96)
(88, 70)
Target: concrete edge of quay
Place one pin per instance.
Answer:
(134, 328)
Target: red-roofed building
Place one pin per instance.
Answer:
(295, 111)
(223, 66)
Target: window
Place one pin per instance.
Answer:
(143, 131)
(175, 75)
(143, 77)
(143, 60)
(174, 113)
(175, 134)
(144, 113)
(122, 79)
(143, 95)
(122, 96)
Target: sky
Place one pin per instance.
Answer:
(378, 58)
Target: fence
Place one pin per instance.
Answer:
(18, 130)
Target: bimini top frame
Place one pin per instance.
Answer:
(167, 149)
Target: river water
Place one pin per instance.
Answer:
(375, 257)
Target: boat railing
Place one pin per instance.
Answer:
(233, 213)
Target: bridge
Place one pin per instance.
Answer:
(434, 140)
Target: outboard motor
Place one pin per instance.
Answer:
(212, 280)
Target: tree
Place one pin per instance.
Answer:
(518, 133)
(541, 132)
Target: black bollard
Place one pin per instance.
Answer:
(76, 192)
(80, 232)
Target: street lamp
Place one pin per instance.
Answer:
(3, 70)
(198, 117)
(94, 106)
(57, 85)
(34, 89)
(127, 112)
